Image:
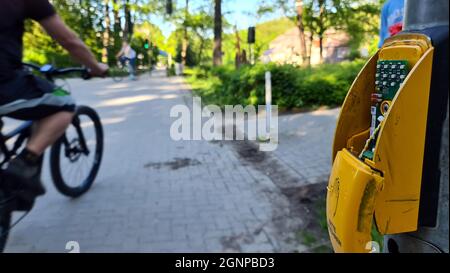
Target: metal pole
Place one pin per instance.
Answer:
(422, 15)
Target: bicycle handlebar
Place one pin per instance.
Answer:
(36, 67)
(51, 71)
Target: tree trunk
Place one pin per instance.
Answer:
(322, 28)
(128, 30)
(217, 52)
(106, 33)
(117, 23)
(238, 48)
(301, 28)
(117, 27)
(321, 48)
(311, 42)
(202, 46)
(185, 43)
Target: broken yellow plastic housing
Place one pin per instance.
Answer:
(386, 188)
(347, 200)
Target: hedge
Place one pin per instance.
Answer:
(292, 87)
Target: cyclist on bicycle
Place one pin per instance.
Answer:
(26, 97)
(127, 53)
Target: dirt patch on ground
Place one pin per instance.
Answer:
(176, 164)
(298, 221)
(308, 203)
(264, 162)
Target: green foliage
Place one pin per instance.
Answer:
(87, 19)
(81, 17)
(147, 31)
(170, 71)
(359, 18)
(198, 24)
(306, 238)
(191, 59)
(265, 33)
(292, 87)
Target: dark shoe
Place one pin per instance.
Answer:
(24, 177)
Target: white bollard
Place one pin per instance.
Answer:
(268, 104)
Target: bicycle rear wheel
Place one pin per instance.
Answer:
(5, 220)
(76, 157)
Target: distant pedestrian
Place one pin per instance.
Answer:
(391, 19)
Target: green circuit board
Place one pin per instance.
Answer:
(388, 79)
(389, 76)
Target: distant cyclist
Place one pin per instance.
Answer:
(27, 97)
(128, 54)
(391, 19)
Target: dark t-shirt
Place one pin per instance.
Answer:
(13, 14)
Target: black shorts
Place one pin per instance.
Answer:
(28, 97)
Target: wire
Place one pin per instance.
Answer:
(372, 137)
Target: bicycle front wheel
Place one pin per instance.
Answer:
(76, 157)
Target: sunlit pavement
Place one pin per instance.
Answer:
(157, 195)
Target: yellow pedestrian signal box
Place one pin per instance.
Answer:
(379, 144)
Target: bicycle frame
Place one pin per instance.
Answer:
(23, 132)
(84, 148)
(127, 64)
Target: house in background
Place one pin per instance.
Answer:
(285, 49)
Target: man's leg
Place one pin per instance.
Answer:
(51, 109)
(46, 131)
(25, 169)
(122, 60)
(132, 63)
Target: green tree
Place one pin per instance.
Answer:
(201, 24)
(101, 24)
(294, 10)
(151, 33)
(106, 32)
(358, 18)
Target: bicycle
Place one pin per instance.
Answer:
(121, 70)
(74, 147)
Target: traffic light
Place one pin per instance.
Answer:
(146, 44)
(169, 7)
(251, 38)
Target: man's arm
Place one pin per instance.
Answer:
(58, 30)
(120, 52)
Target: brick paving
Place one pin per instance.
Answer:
(154, 194)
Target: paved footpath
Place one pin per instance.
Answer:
(157, 195)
